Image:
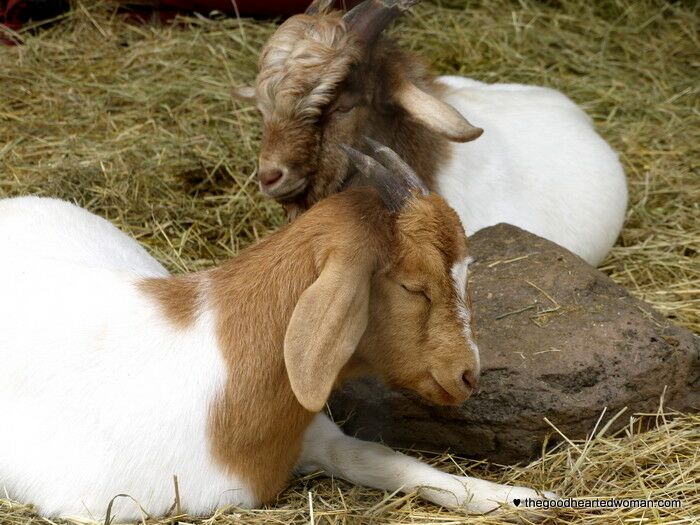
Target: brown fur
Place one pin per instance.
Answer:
(336, 93)
(422, 149)
(262, 446)
(178, 297)
(429, 241)
(257, 425)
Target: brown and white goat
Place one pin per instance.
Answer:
(327, 78)
(218, 377)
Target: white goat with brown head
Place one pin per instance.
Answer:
(327, 78)
(218, 377)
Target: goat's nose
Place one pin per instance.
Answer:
(471, 380)
(269, 176)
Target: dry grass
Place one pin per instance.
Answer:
(136, 124)
(663, 463)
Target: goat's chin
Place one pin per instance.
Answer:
(293, 210)
(431, 389)
(440, 396)
(299, 204)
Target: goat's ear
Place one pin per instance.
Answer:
(325, 328)
(434, 114)
(244, 93)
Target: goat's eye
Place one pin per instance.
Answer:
(343, 109)
(414, 290)
(346, 101)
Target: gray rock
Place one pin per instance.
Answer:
(558, 339)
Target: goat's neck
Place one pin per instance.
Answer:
(256, 424)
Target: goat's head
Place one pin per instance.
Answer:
(393, 300)
(323, 79)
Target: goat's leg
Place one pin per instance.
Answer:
(371, 464)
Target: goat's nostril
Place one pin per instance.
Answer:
(470, 380)
(269, 177)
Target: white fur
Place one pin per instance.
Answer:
(327, 448)
(34, 227)
(539, 165)
(460, 274)
(102, 396)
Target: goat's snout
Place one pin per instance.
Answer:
(471, 381)
(270, 176)
(280, 182)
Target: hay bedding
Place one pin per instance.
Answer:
(136, 124)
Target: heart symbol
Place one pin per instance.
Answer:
(516, 501)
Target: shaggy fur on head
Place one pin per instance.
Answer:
(318, 86)
(301, 67)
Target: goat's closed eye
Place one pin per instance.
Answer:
(414, 290)
(343, 108)
(345, 102)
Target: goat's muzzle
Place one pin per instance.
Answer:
(280, 183)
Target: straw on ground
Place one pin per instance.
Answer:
(136, 123)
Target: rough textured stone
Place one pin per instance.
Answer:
(558, 339)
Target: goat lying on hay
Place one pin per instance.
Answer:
(171, 162)
(326, 78)
(219, 376)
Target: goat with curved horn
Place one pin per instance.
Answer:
(341, 292)
(538, 162)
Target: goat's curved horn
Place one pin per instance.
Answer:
(393, 162)
(393, 190)
(319, 6)
(371, 17)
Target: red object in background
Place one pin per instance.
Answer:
(14, 13)
(257, 8)
(147, 11)
(261, 8)
(9, 14)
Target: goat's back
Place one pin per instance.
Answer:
(33, 227)
(539, 165)
(101, 395)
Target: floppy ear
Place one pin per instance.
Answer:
(434, 114)
(244, 93)
(326, 326)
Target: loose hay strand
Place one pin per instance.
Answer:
(137, 124)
